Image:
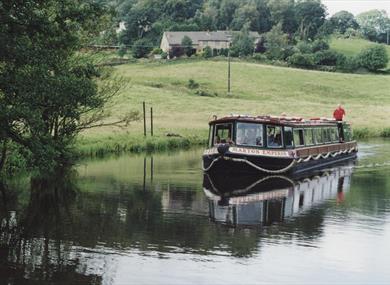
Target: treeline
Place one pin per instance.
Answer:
(305, 19)
(49, 92)
(292, 32)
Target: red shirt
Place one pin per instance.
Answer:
(338, 114)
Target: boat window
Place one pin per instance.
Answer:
(249, 134)
(211, 136)
(347, 133)
(326, 135)
(298, 137)
(334, 135)
(223, 133)
(288, 137)
(318, 136)
(309, 137)
(274, 136)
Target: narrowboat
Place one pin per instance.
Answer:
(276, 144)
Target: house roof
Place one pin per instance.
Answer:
(175, 38)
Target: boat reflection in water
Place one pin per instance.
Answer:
(249, 200)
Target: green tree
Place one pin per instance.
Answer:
(186, 43)
(283, 12)
(342, 21)
(277, 43)
(141, 48)
(207, 52)
(242, 44)
(48, 92)
(373, 58)
(122, 51)
(374, 25)
(310, 16)
(226, 13)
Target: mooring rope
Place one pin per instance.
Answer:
(211, 164)
(285, 169)
(270, 171)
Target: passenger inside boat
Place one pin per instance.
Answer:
(274, 136)
(223, 133)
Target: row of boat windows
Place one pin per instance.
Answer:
(274, 136)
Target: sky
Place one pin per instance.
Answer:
(356, 6)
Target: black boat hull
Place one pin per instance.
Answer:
(269, 165)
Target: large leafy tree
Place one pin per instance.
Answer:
(277, 43)
(373, 58)
(48, 91)
(243, 43)
(310, 16)
(374, 25)
(186, 44)
(283, 12)
(343, 20)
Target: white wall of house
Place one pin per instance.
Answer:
(164, 43)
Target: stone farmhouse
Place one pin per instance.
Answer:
(215, 40)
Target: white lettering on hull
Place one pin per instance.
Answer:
(253, 151)
(262, 152)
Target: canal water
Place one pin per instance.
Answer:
(159, 220)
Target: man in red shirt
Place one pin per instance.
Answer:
(339, 113)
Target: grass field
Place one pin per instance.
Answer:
(256, 89)
(352, 47)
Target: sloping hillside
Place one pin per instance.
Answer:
(256, 89)
(351, 47)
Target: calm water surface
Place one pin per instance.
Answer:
(158, 220)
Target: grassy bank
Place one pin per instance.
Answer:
(351, 47)
(256, 89)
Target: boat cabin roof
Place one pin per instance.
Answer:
(276, 120)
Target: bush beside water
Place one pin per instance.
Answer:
(104, 146)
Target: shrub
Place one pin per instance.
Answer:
(329, 57)
(224, 52)
(276, 43)
(373, 58)
(205, 93)
(304, 47)
(157, 51)
(192, 84)
(141, 48)
(242, 43)
(259, 57)
(207, 52)
(164, 55)
(348, 64)
(352, 33)
(385, 133)
(302, 60)
(176, 52)
(122, 50)
(319, 45)
(186, 43)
